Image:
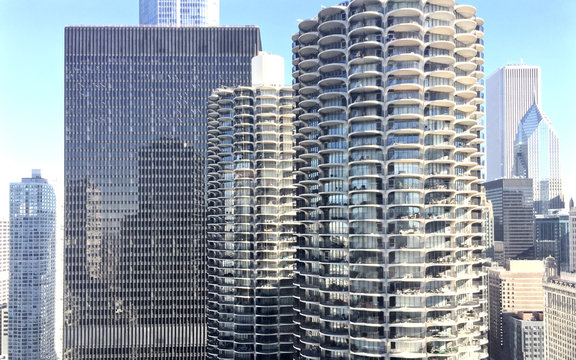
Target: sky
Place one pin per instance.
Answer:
(536, 32)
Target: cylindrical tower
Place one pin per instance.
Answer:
(251, 223)
(389, 159)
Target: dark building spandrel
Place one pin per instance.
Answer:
(135, 126)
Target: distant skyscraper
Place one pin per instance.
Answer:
(516, 288)
(537, 156)
(560, 317)
(511, 91)
(513, 209)
(552, 234)
(4, 281)
(390, 248)
(180, 12)
(251, 239)
(135, 152)
(572, 241)
(32, 269)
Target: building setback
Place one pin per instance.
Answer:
(391, 245)
(511, 91)
(180, 12)
(135, 152)
(32, 269)
(513, 209)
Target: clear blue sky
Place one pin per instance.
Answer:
(31, 64)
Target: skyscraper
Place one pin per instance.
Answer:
(135, 152)
(180, 12)
(32, 269)
(552, 238)
(511, 91)
(390, 247)
(572, 241)
(513, 209)
(251, 218)
(537, 156)
(4, 281)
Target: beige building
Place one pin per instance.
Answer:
(560, 317)
(512, 289)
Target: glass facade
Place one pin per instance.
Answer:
(513, 208)
(537, 156)
(135, 211)
(389, 152)
(552, 234)
(32, 269)
(250, 224)
(180, 12)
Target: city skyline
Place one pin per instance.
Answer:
(388, 153)
(42, 147)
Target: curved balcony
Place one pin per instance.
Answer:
(367, 22)
(465, 51)
(465, 36)
(438, 23)
(331, 19)
(404, 53)
(365, 42)
(404, 9)
(439, 84)
(399, 23)
(404, 39)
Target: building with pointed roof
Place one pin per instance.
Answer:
(537, 156)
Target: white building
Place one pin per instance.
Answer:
(32, 269)
(511, 91)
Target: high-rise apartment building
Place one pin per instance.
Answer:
(572, 240)
(552, 234)
(32, 269)
(4, 281)
(516, 288)
(251, 218)
(135, 153)
(391, 244)
(537, 156)
(180, 12)
(513, 210)
(511, 91)
(560, 317)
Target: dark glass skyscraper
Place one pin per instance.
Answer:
(513, 207)
(135, 228)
